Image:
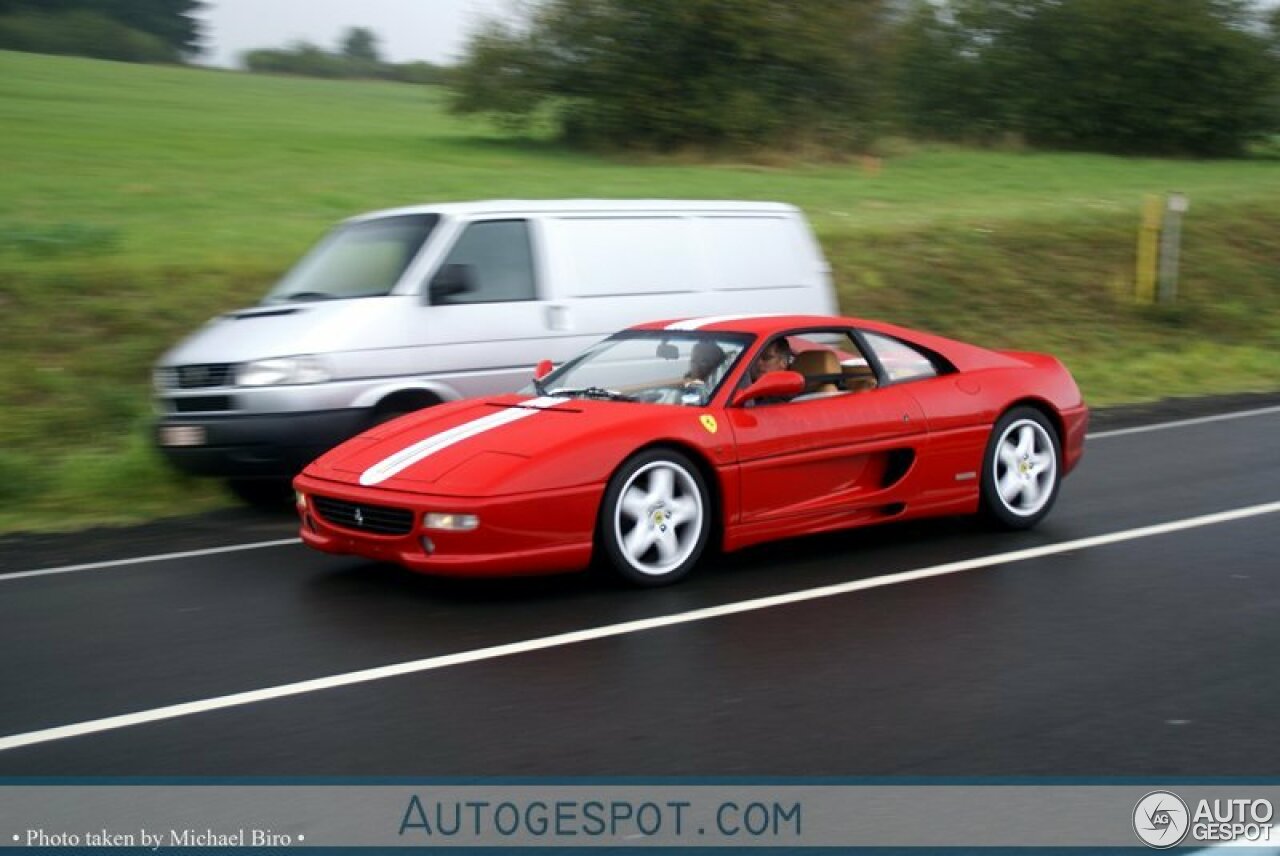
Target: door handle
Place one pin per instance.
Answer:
(558, 318)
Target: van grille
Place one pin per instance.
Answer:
(367, 518)
(197, 376)
(201, 404)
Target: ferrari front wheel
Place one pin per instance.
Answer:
(1021, 473)
(655, 518)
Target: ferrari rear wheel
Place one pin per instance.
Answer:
(1021, 472)
(655, 518)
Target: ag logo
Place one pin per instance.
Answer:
(1161, 820)
(709, 422)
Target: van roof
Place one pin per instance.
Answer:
(580, 206)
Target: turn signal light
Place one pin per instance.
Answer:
(450, 522)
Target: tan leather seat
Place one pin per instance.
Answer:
(858, 377)
(818, 367)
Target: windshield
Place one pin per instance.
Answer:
(364, 259)
(681, 368)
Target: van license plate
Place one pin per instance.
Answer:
(182, 435)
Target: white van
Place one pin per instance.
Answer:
(401, 309)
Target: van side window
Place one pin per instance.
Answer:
(491, 262)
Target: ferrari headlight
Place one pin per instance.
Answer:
(451, 522)
(283, 370)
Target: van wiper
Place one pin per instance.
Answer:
(306, 295)
(595, 392)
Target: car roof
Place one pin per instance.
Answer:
(582, 206)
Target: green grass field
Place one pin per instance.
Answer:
(136, 202)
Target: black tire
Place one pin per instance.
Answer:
(394, 408)
(663, 551)
(266, 494)
(1020, 497)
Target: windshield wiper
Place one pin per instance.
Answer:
(595, 392)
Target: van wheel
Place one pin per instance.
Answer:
(1020, 472)
(655, 518)
(263, 494)
(397, 406)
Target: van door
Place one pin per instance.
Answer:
(486, 319)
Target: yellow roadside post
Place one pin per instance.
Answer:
(1148, 249)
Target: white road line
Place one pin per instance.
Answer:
(1182, 423)
(1159, 426)
(111, 723)
(187, 554)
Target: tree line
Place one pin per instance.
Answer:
(128, 30)
(1197, 77)
(357, 56)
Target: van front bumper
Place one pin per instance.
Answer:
(259, 446)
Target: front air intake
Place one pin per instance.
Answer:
(378, 519)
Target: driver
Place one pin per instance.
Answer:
(705, 358)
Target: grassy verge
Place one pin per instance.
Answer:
(137, 202)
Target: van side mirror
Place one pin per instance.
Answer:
(450, 281)
(772, 385)
(543, 369)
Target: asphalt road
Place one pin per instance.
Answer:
(1149, 655)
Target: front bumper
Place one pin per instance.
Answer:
(534, 533)
(1076, 423)
(274, 445)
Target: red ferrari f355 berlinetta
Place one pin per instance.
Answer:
(670, 437)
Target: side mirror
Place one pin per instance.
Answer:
(772, 385)
(542, 369)
(450, 281)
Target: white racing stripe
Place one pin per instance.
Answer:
(111, 723)
(423, 449)
(699, 323)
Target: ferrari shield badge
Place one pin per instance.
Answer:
(709, 422)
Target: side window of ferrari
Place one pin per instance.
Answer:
(491, 262)
(900, 361)
(830, 362)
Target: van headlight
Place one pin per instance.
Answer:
(283, 370)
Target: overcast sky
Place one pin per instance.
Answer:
(434, 30)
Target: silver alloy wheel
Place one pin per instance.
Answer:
(659, 518)
(1025, 467)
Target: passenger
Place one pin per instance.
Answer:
(706, 357)
(775, 357)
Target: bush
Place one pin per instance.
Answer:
(683, 73)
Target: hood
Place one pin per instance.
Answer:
(490, 436)
(509, 445)
(263, 332)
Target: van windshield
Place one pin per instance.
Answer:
(363, 259)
